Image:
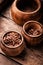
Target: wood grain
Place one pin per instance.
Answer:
(31, 55)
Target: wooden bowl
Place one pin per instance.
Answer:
(12, 50)
(25, 10)
(33, 32)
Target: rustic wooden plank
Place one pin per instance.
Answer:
(6, 61)
(31, 55)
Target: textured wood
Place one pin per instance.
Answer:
(31, 55)
(6, 61)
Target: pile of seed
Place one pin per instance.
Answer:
(12, 38)
(33, 32)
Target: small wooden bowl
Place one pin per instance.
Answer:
(30, 38)
(25, 10)
(12, 51)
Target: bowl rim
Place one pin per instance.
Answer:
(36, 23)
(13, 47)
(36, 10)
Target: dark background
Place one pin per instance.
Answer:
(5, 4)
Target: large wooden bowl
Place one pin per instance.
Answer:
(24, 10)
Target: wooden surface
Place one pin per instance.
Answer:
(30, 56)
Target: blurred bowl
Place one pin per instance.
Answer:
(25, 10)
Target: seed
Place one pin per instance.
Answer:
(12, 38)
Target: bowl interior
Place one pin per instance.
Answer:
(9, 42)
(27, 5)
(30, 27)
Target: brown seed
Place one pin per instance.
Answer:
(12, 39)
(31, 31)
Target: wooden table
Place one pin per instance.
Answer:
(30, 56)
